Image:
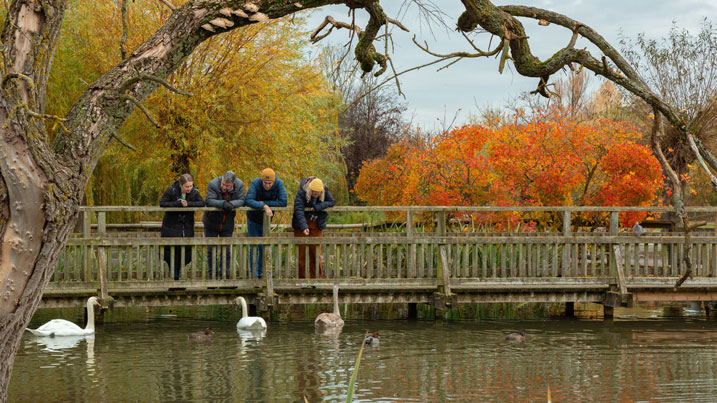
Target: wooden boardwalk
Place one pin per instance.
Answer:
(444, 263)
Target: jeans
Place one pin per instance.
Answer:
(256, 230)
(177, 258)
(215, 253)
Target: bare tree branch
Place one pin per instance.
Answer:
(677, 202)
(698, 154)
(123, 142)
(141, 107)
(168, 4)
(479, 53)
(123, 40)
(315, 37)
(709, 158)
(501, 21)
(149, 77)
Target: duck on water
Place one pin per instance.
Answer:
(372, 340)
(520, 336)
(201, 336)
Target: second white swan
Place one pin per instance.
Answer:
(330, 321)
(246, 321)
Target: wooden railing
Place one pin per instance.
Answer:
(403, 253)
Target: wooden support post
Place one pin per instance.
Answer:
(714, 252)
(411, 245)
(444, 273)
(86, 229)
(566, 245)
(608, 312)
(266, 233)
(620, 272)
(442, 299)
(102, 252)
(267, 261)
(412, 310)
(614, 230)
(569, 309)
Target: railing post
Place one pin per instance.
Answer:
(441, 227)
(102, 252)
(86, 229)
(411, 244)
(267, 261)
(444, 273)
(614, 231)
(714, 252)
(442, 299)
(566, 245)
(266, 233)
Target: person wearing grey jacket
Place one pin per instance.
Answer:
(225, 192)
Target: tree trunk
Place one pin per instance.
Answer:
(42, 184)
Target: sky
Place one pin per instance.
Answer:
(434, 98)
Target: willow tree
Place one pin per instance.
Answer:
(43, 181)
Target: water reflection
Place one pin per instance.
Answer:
(54, 344)
(672, 360)
(251, 335)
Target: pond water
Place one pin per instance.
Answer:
(629, 359)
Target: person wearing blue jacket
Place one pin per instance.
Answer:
(264, 193)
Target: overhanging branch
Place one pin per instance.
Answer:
(695, 149)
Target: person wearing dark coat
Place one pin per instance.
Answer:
(312, 194)
(179, 224)
(227, 193)
(264, 193)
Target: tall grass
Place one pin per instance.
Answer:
(354, 374)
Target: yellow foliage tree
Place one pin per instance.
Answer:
(256, 101)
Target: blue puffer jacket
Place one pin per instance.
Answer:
(317, 205)
(257, 197)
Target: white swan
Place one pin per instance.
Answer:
(246, 321)
(61, 327)
(330, 321)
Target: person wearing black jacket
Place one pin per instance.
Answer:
(312, 194)
(179, 224)
(227, 193)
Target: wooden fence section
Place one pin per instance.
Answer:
(479, 257)
(436, 258)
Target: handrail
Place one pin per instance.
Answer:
(428, 209)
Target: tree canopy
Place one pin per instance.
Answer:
(256, 101)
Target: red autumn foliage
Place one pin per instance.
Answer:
(549, 161)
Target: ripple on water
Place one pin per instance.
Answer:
(416, 361)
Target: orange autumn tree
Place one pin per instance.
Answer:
(539, 163)
(550, 160)
(448, 169)
(385, 181)
(632, 176)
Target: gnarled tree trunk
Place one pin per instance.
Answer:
(42, 184)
